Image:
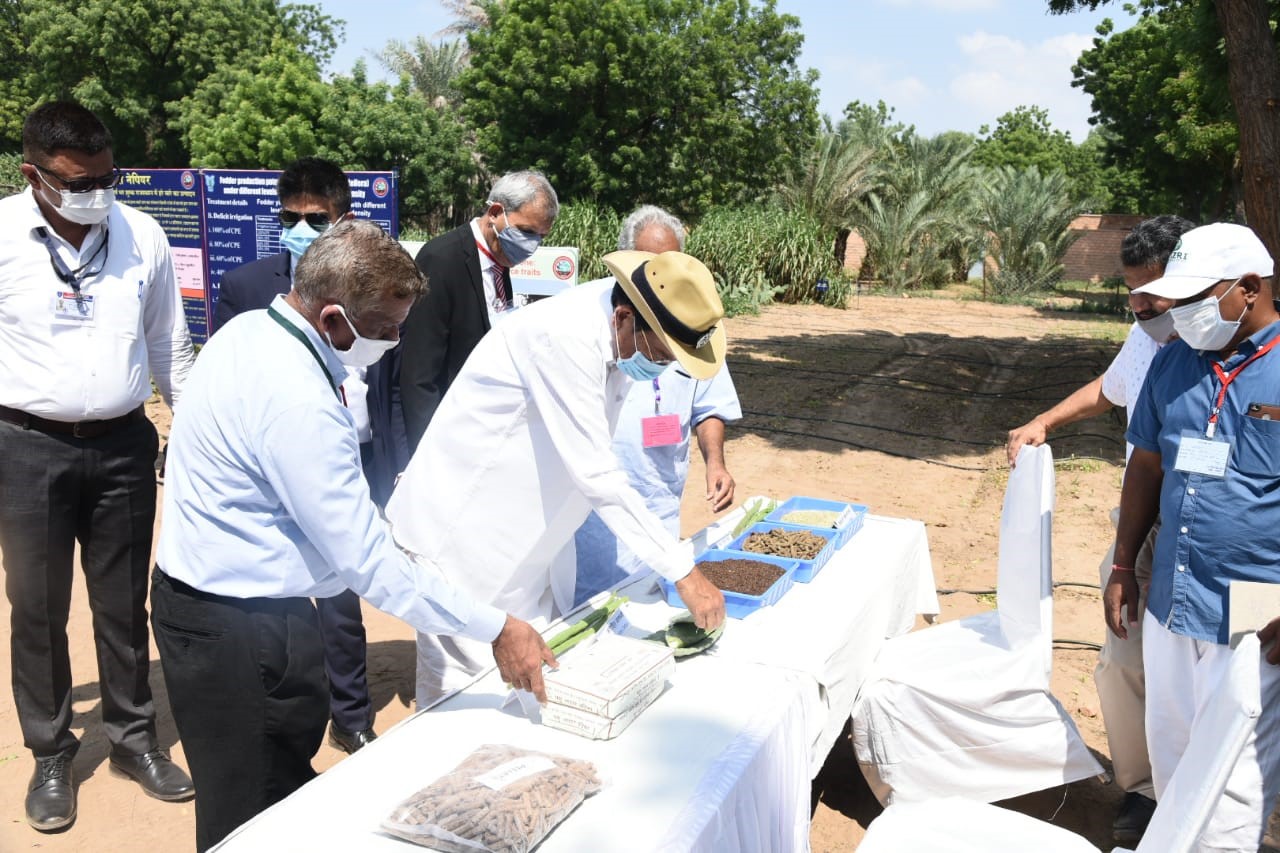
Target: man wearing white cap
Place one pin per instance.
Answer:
(519, 451)
(1206, 457)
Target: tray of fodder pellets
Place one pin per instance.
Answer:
(844, 518)
(810, 547)
(748, 581)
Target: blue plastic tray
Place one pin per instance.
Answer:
(737, 604)
(857, 514)
(806, 570)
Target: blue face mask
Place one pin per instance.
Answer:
(517, 245)
(638, 365)
(298, 238)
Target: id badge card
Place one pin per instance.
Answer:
(67, 306)
(1200, 455)
(660, 430)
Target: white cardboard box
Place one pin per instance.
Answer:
(611, 676)
(583, 723)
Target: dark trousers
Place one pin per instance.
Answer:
(247, 686)
(56, 490)
(346, 648)
(345, 661)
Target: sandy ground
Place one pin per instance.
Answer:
(901, 404)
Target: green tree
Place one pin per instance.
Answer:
(1028, 217)
(829, 182)
(134, 61)
(15, 96)
(376, 126)
(1248, 33)
(683, 103)
(257, 116)
(1159, 99)
(433, 69)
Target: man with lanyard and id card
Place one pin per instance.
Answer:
(92, 314)
(266, 507)
(1206, 457)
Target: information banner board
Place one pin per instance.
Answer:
(218, 219)
(173, 198)
(548, 271)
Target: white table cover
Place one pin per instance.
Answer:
(722, 760)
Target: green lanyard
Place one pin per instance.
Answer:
(297, 333)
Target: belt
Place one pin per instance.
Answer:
(77, 429)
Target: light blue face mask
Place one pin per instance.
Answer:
(638, 365)
(517, 245)
(298, 238)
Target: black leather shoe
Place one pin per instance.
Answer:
(1132, 819)
(156, 773)
(349, 742)
(51, 795)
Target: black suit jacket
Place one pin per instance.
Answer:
(252, 287)
(443, 327)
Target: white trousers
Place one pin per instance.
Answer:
(1121, 685)
(1182, 674)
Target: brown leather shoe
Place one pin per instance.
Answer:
(350, 742)
(51, 794)
(156, 773)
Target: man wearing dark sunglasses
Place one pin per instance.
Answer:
(315, 194)
(92, 314)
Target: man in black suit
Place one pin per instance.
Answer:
(315, 194)
(469, 288)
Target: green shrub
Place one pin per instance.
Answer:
(593, 230)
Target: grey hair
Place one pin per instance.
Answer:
(641, 218)
(356, 264)
(1152, 240)
(516, 189)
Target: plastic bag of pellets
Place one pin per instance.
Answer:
(501, 799)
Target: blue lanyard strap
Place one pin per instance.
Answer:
(657, 396)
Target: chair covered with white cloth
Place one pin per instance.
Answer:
(956, 825)
(964, 708)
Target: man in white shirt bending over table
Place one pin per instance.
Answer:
(266, 507)
(519, 451)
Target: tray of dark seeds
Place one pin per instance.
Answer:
(748, 581)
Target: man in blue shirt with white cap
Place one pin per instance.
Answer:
(1206, 457)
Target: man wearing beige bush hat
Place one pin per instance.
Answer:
(519, 451)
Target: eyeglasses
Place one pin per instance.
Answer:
(290, 218)
(84, 185)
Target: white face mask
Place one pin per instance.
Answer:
(83, 208)
(1159, 327)
(363, 351)
(1200, 324)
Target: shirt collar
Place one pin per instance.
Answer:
(1253, 343)
(331, 361)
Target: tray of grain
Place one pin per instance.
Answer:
(810, 547)
(748, 581)
(844, 517)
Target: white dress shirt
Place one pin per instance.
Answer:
(264, 496)
(658, 474)
(99, 363)
(489, 267)
(517, 455)
(1123, 378)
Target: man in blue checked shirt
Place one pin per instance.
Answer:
(1206, 457)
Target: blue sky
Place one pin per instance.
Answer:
(943, 64)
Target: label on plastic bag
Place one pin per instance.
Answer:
(844, 519)
(515, 770)
(618, 623)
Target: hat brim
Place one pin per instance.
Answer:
(1177, 286)
(699, 362)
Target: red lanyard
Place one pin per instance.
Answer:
(484, 250)
(1227, 379)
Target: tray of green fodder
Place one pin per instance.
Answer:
(810, 547)
(843, 517)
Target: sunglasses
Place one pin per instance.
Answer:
(84, 185)
(290, 218)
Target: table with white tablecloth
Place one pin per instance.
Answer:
(722, 760)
